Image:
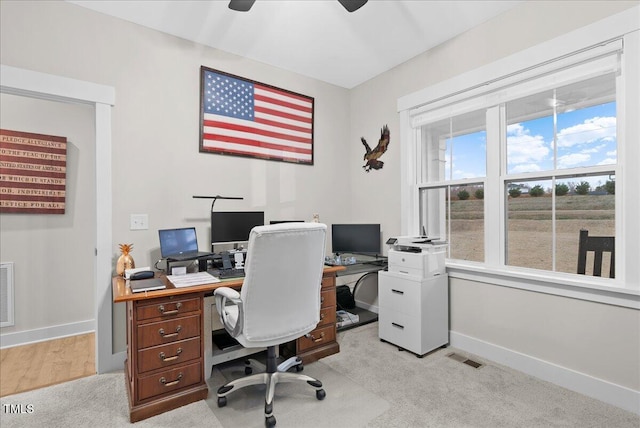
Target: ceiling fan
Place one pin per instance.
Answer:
(245, 5)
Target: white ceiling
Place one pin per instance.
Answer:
(316, 38)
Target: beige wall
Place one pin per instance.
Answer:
(157, 166)
(596, 339)
(53, 253)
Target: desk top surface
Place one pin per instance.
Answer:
(122, 292)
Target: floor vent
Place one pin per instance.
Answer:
(464, 360)
(6, 294)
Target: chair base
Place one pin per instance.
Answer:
(274, 374)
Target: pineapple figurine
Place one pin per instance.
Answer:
(125, 261)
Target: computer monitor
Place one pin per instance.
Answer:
(285, 221)
(356, 238)
(232, 227)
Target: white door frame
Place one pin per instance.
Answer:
(28, 83)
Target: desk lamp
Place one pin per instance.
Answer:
(216, 197)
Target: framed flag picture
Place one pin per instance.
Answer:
(242, 117)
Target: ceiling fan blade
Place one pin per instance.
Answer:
(352, 5)
(241, 5)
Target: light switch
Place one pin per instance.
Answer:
(139, 222)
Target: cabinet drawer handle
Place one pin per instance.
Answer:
(393, 290)
(165, 312)
(321, 315)
(164, 358)
(173, 383)
(397, 325)
(166, 335)
(313, 338)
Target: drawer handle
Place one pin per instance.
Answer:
(393, 290)
(165, 312)
(321, 299)
(173, 383)
(164, 358)
(321, 315)
(313, 338)
(397, 325)
(165, 335)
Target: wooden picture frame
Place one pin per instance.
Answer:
(242, 117)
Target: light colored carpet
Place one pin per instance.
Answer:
(437, 391)
(347, 404)
(369, 384)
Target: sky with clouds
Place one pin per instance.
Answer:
(585, 137)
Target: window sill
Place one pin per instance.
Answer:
(559, 284)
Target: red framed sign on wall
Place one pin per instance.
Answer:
(33, 170)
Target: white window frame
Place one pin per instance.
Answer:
(624, 290)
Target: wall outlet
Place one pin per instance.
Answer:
(139, 222)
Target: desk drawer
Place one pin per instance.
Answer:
(317, 337)
(168, 308)
(328, 281)
(327, 316)
(168, 331)
(398, 294)
(169, 354)
(400, 329)
(169, 380)
(328, 298)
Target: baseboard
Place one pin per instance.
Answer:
(26, 337)
(602, 390)
(367, 306)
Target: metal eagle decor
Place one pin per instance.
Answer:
(371, 156)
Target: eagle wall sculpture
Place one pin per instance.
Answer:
(372, 156)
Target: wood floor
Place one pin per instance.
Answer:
(27, 367)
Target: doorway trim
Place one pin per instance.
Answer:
(33, 84)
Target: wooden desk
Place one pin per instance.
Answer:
(166, 336)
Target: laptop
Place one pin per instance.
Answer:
(180, 244)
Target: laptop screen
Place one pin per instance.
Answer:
(178, 241)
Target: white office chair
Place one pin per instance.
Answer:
(279, 302)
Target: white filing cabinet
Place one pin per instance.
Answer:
(413, 300)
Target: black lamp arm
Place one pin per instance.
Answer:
(216, 197)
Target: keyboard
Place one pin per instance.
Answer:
(227, 273)
(191, 279)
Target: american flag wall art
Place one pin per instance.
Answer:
(33, 173)
(243, 117)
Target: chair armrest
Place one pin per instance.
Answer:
(227, 292)
(222, 295)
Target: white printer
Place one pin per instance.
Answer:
(417, 256)
(413, 295)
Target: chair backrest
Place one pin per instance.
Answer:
(599, 245)
(283, 276)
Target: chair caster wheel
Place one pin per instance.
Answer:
(320, 394)
(270, 421)
(299, 367)
(248, 370)
(222, 401)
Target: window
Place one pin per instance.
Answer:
(562, 143)
(509, 171)
(453, 171)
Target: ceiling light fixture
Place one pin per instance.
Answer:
(245, 5)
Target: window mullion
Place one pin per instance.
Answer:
(493, 235)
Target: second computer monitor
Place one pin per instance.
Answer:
(232, 227)
(356, 238)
